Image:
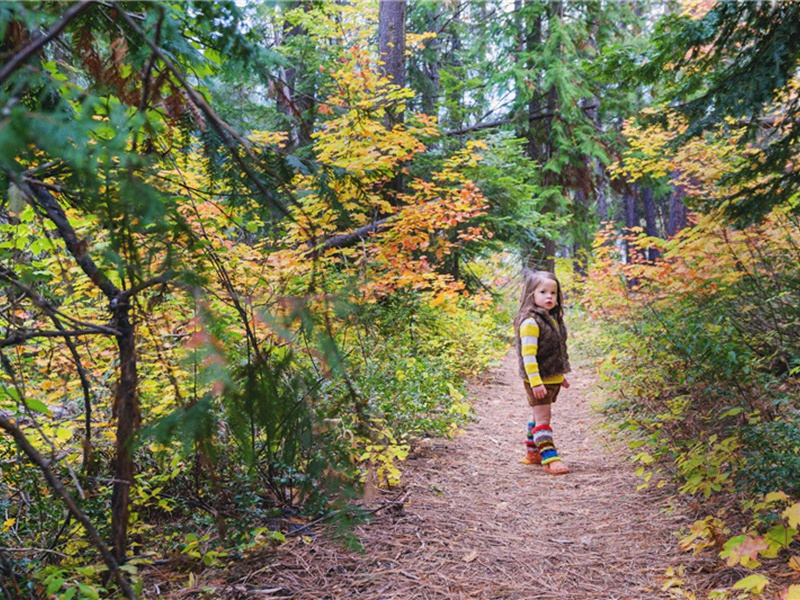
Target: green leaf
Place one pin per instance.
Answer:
(54, 585)
(89, 591)
(732, 412)
(37, 406)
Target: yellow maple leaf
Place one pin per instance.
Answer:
(792, 514)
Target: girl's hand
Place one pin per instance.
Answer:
(539, 392)
(565, 383)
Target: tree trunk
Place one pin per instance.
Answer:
(601, 190)
(650, 227)
(551, 179)
(126, 401)
(677, 212)
(126, 406)
(582, 243)
(392, 39)
(295, 105)
(392, 50)
(631, 218)
(430, 69)
(392, 44)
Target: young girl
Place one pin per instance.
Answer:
(542, 346)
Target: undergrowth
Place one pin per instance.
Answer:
(698, 353)
(293, 439)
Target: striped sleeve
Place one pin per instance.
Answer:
(529, 343)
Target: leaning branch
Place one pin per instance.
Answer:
(230, 137)
(45, 200)
(347, 239)
(479, 127)
(32, 48)
(73, 508)
(17, 337)
(502, 122)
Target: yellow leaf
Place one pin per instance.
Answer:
(794, 563)
(792, 514)
(793, 593)
(63, 433)
(752, 583)
(775, 496)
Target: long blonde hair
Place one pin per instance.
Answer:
(530, 281)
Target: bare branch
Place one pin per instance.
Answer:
(479, 126)
(10, 277)
(501, 122)
(45, 200)
(157, 280)
(19, 336)
(346, 239)
(74, 509)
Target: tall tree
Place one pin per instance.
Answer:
(529, 67)
(392, 45)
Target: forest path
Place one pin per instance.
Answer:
(475, 523)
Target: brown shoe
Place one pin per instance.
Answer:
(555, 468)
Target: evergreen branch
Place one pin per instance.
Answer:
(31, 49)
(229, 136)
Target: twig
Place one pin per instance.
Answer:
(80, 516)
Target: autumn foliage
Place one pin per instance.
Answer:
(699, 349)
(288, 325)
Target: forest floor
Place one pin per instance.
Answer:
(472, 522)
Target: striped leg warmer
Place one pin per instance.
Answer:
(543, 438)
(529, 443)
(532, 456)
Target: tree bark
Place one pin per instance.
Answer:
(292, 103)
(430, 70)
(392, 39)
(631, 216)
(601, 190)
(392, 46)
(676, 219)
(128, 421)
(550, 179)
(392, 50)
(650, 227)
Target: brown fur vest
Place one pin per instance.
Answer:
(552, 353)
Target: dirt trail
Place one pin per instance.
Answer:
(475, 523)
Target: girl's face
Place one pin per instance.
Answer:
(546, 294)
